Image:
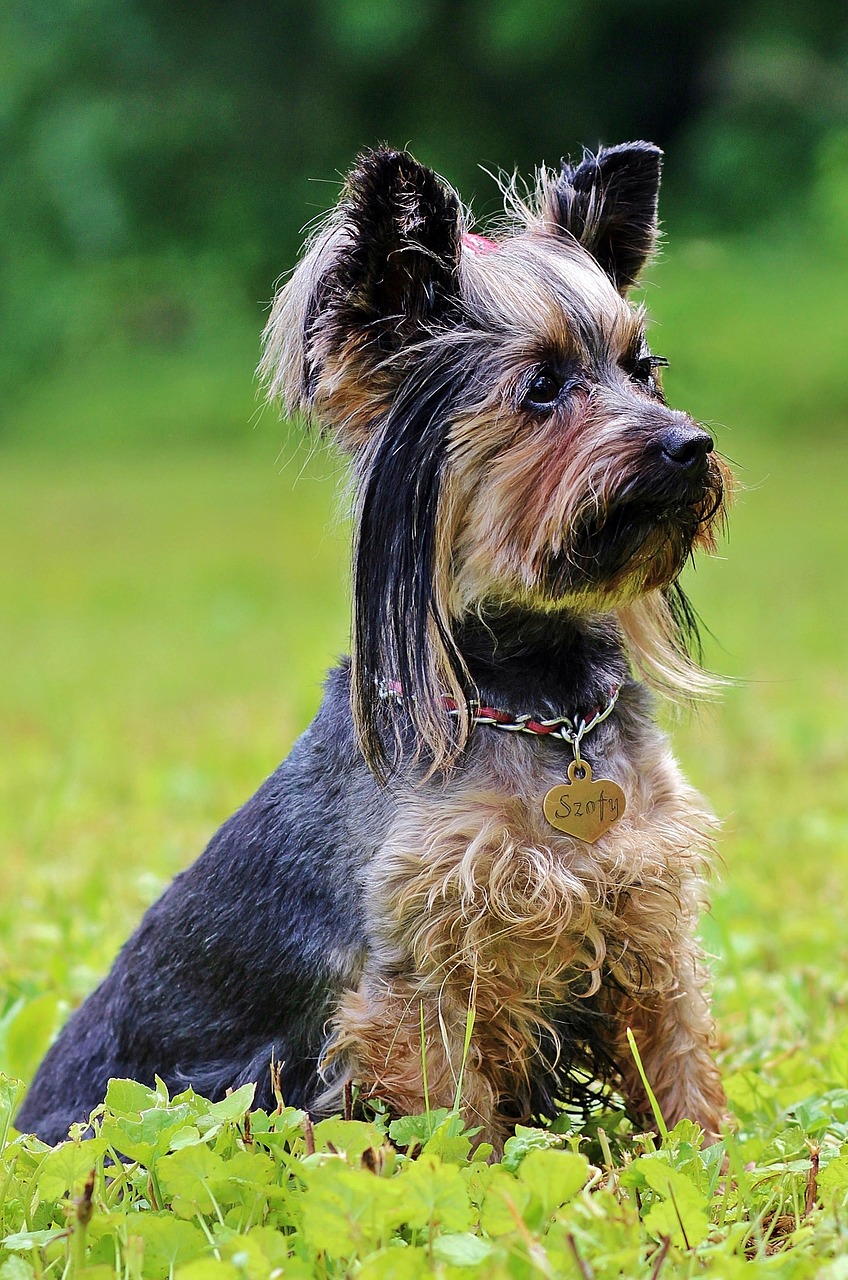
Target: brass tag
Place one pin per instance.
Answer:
(583, 808)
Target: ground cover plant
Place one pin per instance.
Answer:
(167, 617)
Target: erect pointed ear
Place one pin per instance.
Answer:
(380, 272)
(400, 272)
(609, 203)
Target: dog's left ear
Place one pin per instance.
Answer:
(404, 225)
(609, 203)
(382, 271)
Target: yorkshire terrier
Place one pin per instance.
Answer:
(482, 828)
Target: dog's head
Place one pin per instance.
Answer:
(504, 412)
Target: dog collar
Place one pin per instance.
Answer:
(582, 806)
(570, 729)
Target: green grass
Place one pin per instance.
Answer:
(167, 620)
(166, 629)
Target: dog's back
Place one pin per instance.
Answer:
(246, 954)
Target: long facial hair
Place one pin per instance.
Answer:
(402, 631)
(366, 339)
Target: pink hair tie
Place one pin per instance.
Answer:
(478, 244)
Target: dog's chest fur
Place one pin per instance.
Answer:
(472, 879)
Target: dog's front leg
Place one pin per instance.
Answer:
(404, 1042)
(674, 1032)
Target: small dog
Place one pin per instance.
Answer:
(482, 828)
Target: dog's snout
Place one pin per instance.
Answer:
(686, 446)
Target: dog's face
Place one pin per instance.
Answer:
(569, 481)
(500, 400)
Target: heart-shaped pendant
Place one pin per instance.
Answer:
(583, 808)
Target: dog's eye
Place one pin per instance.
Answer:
(543, 391)
(642, 369)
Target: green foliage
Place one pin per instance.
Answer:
(167, 621)
(220, 1191)
(157, 178)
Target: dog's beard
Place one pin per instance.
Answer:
(633, 546)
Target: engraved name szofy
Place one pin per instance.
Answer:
(580, 808)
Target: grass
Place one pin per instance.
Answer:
(167, 619)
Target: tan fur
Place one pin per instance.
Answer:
(480, 904)
(510, 490)
(655, 652)
(514, 489)
(479, 911)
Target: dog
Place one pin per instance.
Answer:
(480, 865)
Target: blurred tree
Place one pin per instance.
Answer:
(152, 144)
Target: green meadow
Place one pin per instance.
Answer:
(169, 604)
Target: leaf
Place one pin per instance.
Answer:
(252, 1260)
(346, 1211)
(233, 1107)
(26, 1240)
(239, 1180)
(349, 1136)
(505, 1199)
(274, 1246)
(129, 1098)
(524, 1141)
(449, 1141)
(209, 1269)
(462, 1250)
(833, 1179)
(553, 1177)
(185, 1175)
(278, 1130)
(11, 1093)
(16, 1268)
(147, 1137)
(67, 1167)
(477, 1178)
(187, 1137)
(682, 1219)
(251, 1168)
(685, 1134)
(434, 1194)
(683, 1213)
(167, 1241)
(409, 1129)
(395, 1263)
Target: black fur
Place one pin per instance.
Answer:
(609, 203)
(395, 608)
(401, 271)
(239, 959)
(246, 953)
(534, 662)
(397, 274)
(246, 956)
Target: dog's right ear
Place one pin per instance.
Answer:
(609, 203)
(381, 272)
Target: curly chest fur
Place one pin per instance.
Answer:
(473, 879)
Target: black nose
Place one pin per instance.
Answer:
(686, 446)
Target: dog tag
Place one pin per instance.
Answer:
(583, 808)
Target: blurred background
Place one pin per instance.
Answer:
(172, 564)
(161, 159)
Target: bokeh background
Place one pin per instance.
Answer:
(172, 558)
